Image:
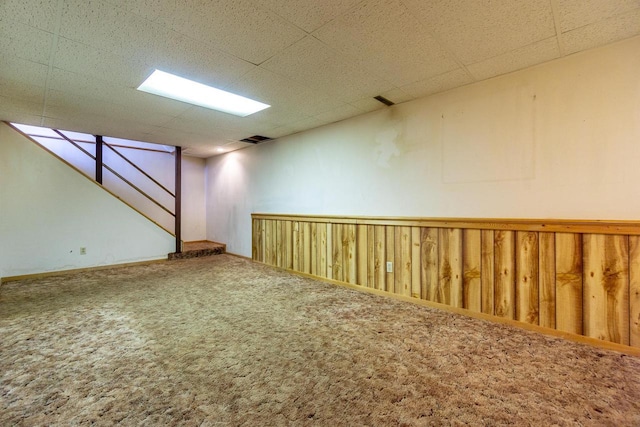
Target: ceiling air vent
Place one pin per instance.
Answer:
(256, 139)
(384, 100)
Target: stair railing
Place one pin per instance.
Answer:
(100, 165)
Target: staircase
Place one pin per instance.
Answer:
(198, 249)
(110, 163)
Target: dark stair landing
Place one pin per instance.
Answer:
(199, 249)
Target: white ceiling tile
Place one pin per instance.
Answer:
(171, 136)
(21, 70)
(20, 90)
(482, 29)
(20, 110)
(439, 83)
(602, 32)
(113, 29)
(397, 95)
(309, 14)
(137, 40)
(196, 60)
(578, 13)
(24, 41)
(523, 57)
(276, 90)
(101, 125)
(153, 10)
(367, 105)
(280, 132)
(36, 13)
(65, 104)
(104, 91)
(389, 40)
(306, 124)
(90, 61)
(238, 27)
(312, 63)
(336, 114)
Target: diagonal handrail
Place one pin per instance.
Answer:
(138, 189)
(138, 168)
(65, 137)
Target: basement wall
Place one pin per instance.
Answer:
(48, 211)
(194, 223)
(559, 140)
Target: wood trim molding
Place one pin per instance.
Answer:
(513, 224)
(8, 279)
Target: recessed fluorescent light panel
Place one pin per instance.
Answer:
(181, 89)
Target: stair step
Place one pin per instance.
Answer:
(199, 249)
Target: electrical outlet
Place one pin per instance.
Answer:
(83, 251)
(389, 267)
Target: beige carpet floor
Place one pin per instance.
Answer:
(220, 341)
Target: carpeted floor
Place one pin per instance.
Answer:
(221, 341)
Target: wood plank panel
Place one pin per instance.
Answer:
(450, 263)
(371, 251)
(306, 247)
(487, 268)
(403, 261)
(429, 270)
(390, 256)
(295, 246)
(263, 240)
(471, 270)
(527, 288)
(329, 251)
(322, 249)
(569, 282)
(416, 284)
(279, 243)
(606, 287)
(397, 261)
(505, 277)
(634, 291)
(269, 246)
(349, 262)
(254, 239)
(314, 248)
(547, 279)
(288, 245)
(362, 253)
(336, 236)
(380, 254)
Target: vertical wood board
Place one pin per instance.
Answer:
(606, 287)
(527, 287)
(547, 279)
(569, 282)
(505, 277)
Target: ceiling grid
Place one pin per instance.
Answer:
(76, 64)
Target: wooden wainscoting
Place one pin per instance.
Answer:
(581, 277)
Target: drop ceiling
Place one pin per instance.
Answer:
(75, 64)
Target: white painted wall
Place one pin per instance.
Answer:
(194, 225)
(48, 211)
(560, 140)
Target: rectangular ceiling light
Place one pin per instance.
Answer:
(181, 89)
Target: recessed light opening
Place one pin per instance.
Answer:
(384, 100)
(181, 89)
